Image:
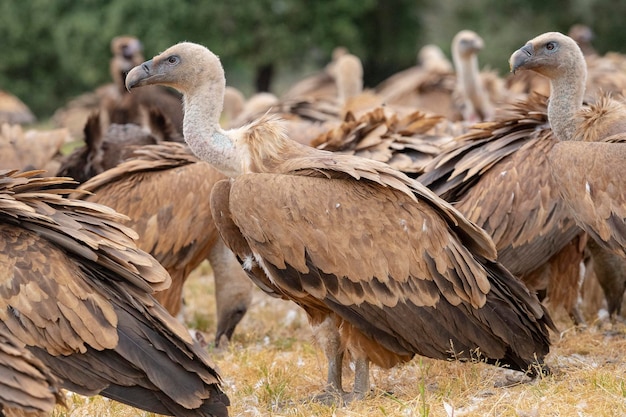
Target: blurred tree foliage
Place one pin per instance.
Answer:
(56, 49)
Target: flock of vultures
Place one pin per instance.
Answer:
(433, 215)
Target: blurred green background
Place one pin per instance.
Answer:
(53, 50)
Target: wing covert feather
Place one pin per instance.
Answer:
(367, 236)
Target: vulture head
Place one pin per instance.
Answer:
(550, 54)
(182, 67)
(127, 51)
(467, 43)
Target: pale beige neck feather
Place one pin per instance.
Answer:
(566, 99)
(202, 131)
(471, 88)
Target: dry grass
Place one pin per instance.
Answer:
(272, 368)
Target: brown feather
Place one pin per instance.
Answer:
(76, 291)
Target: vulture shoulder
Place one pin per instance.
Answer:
(498, 175)
(595, 198)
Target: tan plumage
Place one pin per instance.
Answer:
(14, 111)
(26, 385)
(462, 93)
(31, 148)
(476, 105)
(320, 85)
(427, 86)
(406, 142)
(387, 268)
(78, 293)
(153, 178)
(498, 176)
(164, 190)
(308, 116)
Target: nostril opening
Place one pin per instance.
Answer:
(145, 68)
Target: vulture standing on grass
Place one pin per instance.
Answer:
(383, 267)
(591, 151)
(77, 292)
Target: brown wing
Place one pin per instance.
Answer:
(498, 175)
(587, 174)
(77, 291)
(405, 142)
(377, 258)
(25, 382)
(165, 193)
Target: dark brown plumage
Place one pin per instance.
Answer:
(26, 385)
(610, 271)
(498, 176)
(78, 293)
(107, 144)
(383, 267)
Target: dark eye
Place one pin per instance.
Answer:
(550, 46)
(172, 59)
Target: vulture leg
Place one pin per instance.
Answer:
(233, 291)
(327, 336)
(361, 379)
(610, 270)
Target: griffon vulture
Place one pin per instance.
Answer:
(498, 176)
(77, 292)
(590, 153)
(383, 267)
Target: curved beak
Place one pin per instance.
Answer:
(521, 57)
(140, 75)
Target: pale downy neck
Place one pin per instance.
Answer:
(566, 98)
(471, 88)
(348, 78)
(202, 131)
